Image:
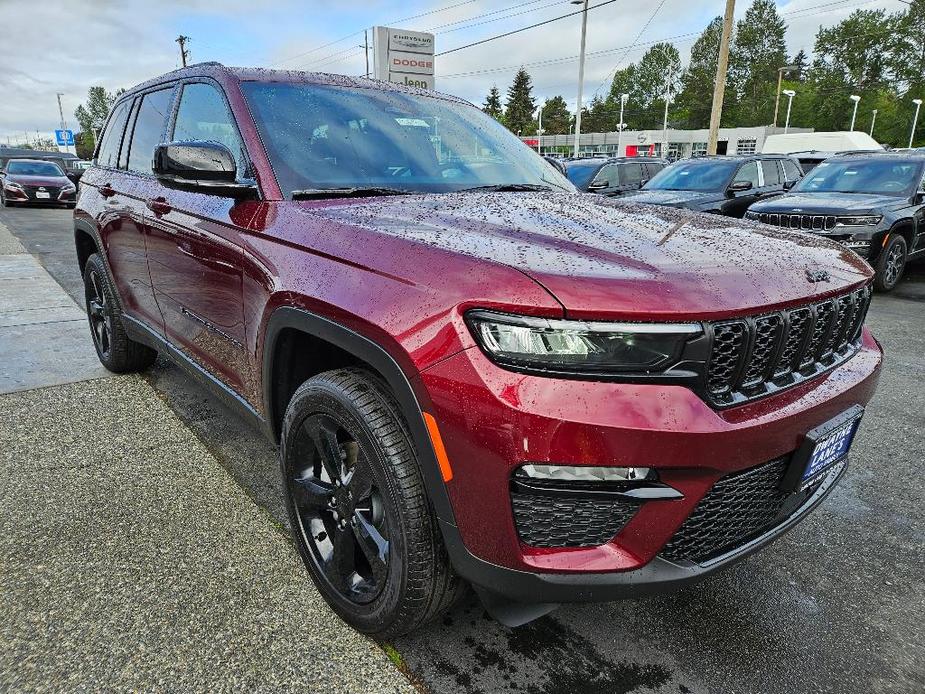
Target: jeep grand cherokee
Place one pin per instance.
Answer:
(476, 374)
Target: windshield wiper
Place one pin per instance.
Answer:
(508, 188)
(321, 193)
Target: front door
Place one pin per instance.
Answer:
(740, 201)
(194, 255)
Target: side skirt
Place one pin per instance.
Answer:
(140, 332)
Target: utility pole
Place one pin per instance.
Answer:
(581, 72)
(61, 112)
(366, 49)
(184, 53)
(719, 89)
(780, 79)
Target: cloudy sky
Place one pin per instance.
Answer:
(67, 46)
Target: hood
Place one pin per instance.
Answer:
(53, 181)
(676, 198)
(828, 203)
(605, 258)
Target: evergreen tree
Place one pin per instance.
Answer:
(658, 72)
(758, 52)
(92, 115)
(696, 97)
(556, 116)
(492, 104)
(520, 106)
(801, 62)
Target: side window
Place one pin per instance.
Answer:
(149, 129)
(133, 116)
(653, 168)
(748, 172)
(203, 115)
(791, 170)
(608, 176)
(631, 174)
(771, 172)
(112, 138)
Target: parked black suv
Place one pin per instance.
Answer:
(612, 177)
(721, 185)
(874, 203)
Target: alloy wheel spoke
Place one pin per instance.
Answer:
(311, 493)
(323, 433)
(373, 545)
(341, 565)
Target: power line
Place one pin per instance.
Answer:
(638, 36)
(517, 31)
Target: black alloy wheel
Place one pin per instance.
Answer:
(341, 515)
(99, 313)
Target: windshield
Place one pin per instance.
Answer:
(880, 176)
(581, 173)
(33, 168)
(321, 136)
(700, 176)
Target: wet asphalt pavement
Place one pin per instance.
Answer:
(837, 605)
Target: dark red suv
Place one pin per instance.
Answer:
(475, 373)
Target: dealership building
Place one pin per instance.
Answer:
(681, 143)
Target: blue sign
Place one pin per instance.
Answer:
(64, 138)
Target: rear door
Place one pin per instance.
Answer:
(194, 252)
(631, 176)
(772, 178)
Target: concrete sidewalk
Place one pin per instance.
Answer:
(44, 338)
(130, 560)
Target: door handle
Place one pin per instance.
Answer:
(158, 205)
(107, 191)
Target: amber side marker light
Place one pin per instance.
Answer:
(439, 449)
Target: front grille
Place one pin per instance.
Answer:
(52, 191)
(736, 510)
(562, 521)
(804, 222)
(753, 357)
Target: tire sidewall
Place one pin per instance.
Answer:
(322, 397)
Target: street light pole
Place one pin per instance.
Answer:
(789, 93)
(872, 121)
(539, 132)
(780, 78)
(854, 114)
(665, 121)
(581, 70)
(623, 98)
(915, 120)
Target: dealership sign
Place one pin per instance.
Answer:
(405, 57)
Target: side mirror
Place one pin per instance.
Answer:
(789, 184)
(917, 199)
(740, 186)
(597, 185)
(199, 166)
(642, 183)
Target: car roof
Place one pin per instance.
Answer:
(36, 154)
(222, 72)
(904, 156)
(600, 161)
(737, 157)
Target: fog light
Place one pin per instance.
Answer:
(576, 473)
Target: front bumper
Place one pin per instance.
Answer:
(656, 577)
(493, 420)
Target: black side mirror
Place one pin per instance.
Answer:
(789, 184)
(740, 186)
(642, 183)
(203, 167)
(598, 185)
(917, 199)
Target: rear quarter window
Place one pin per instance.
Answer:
(112, 137)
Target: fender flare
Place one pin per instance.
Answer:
(381, 361)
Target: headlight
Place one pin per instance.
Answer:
(754, 216)
(565, 346)
(11, 185)
(69, 188)
(865, 221)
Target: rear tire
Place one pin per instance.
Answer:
(359, 511)
(116, 351)
(891, 264)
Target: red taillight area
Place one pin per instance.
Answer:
(493, 420)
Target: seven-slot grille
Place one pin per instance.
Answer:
(751, 357)
(806, 222)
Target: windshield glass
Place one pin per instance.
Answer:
(321, 136)
(581, 173)
(701, 176)
(880, 176)
(33, 168)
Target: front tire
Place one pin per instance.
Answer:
(116, 351)
(891, 264)
(359, 512)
